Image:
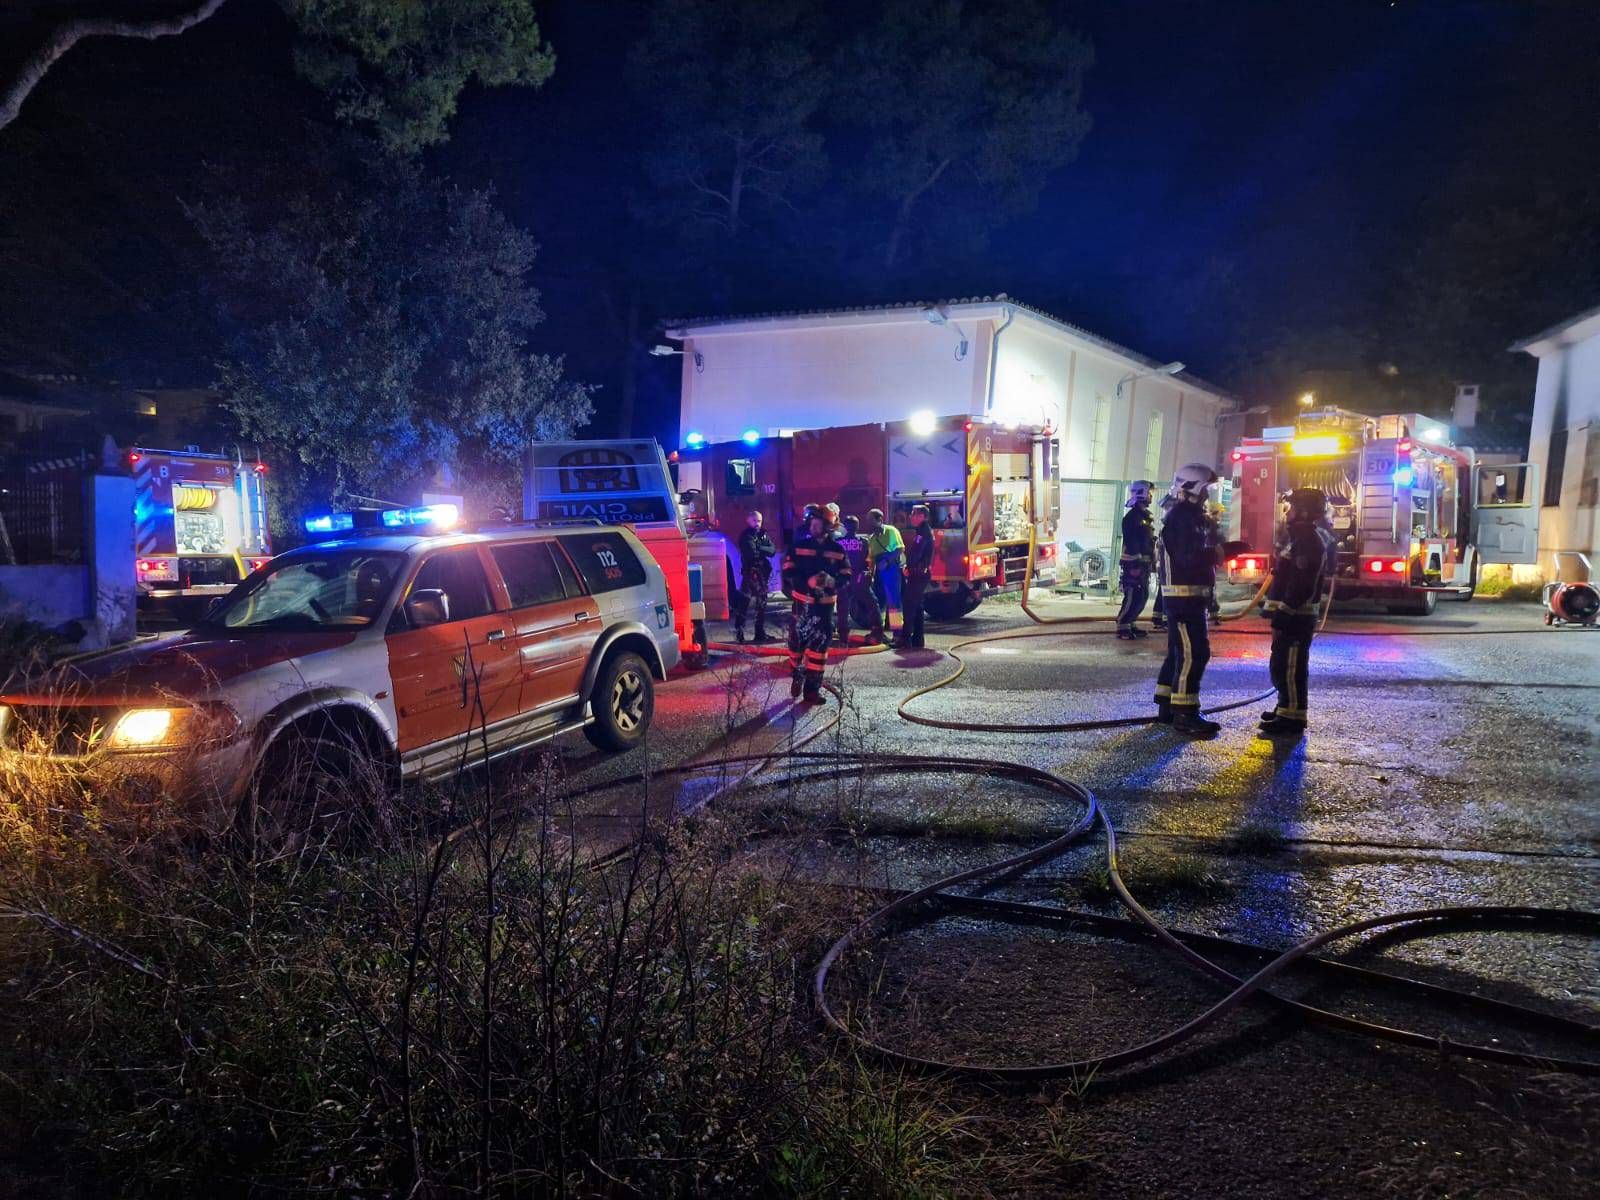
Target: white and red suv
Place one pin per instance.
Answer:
(429, 652)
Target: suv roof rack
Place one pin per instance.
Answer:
(536, 523)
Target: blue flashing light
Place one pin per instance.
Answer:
(1405, 477)
(427, 514)
(751, 437)
(694, 440)
(330, 523)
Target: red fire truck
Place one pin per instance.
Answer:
(200, 524)
(984, 486)
(1414, 516)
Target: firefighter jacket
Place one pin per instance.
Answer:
(919, 549)
(811, 569)
(1190, 541)
(1138, 536)
(1300, 571)
(755, 554)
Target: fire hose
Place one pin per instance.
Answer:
(936, 898)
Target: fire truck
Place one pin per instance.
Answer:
(1414, 516)
(200, 524)
(984, 486)
(622, 482)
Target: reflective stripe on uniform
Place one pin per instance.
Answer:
(1162, 691)
(1184, 700)
(1185, 590)
(1180, 681)
(1296, 701)
(1289, 714)
(1314, 609)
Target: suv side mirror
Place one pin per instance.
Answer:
(428, 606)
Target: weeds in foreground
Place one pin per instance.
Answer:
(1174, 877)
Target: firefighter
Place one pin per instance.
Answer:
(1192, 543)
(755, 578)
(1293, 604)
(1138, 558)
(1158, 610)
(809, 572)
(855, 587)
(919, 569)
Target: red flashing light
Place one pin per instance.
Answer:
(967, 425)
(261, 468)
(1238, 456)
(1405, 446)
(133, 457)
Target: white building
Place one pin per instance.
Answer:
(1565, 440)
(1119, 414)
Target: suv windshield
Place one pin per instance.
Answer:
(320, 589)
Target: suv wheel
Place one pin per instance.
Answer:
(623, 701)
(314, 787)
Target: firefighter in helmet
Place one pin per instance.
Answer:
(1138, 558)
(810, 570)
(1192, 544)
(1293, 605)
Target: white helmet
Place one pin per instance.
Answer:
(1139, 492)
(1192, 482)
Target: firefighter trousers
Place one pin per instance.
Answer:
(810, 631)
(1291, 652)
(1135, 591)
(1188, 651)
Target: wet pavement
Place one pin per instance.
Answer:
(1452, 760)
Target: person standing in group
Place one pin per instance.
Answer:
(1138, 558)
(886, 555)
(835, 526)
(855, 587)
(1158, 610)
(1293, 605)
(755, 578)
(919, 569)
(809, 574)
(1193, 545)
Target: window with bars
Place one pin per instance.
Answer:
(1152, 445)
(1100, 443)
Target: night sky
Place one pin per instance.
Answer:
(1255, 171)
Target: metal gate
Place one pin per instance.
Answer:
(1090, 534)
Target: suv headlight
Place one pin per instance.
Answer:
(150, 728)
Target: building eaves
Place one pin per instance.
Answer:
(1556, 332)
(705, 323)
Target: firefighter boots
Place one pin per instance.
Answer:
(1191, 724)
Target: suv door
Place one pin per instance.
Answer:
(454, 675)
(554, 624)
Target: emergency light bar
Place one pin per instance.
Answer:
(1313, 447)
(426, 516)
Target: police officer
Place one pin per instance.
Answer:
(1192, 543)
(1138, 558)
(755, 578)
(855, 587)
(919, 569)
(809, 572)
(1293, 604)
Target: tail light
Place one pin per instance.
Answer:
(1046, 553)
(257, 563)
(981, 565)
(1375, 568)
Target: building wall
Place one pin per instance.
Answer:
(1570, 374)
(772, 379)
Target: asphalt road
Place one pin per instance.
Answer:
(1458, 769)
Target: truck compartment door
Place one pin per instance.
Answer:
(1505, 513)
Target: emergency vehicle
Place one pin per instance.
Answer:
(396, 635)
(984, 485)
(1414, 516)
(200, 523)
(622, 482)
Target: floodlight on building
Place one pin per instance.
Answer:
(1307, 399)
(924, 422)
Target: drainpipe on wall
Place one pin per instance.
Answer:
(994, 358)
